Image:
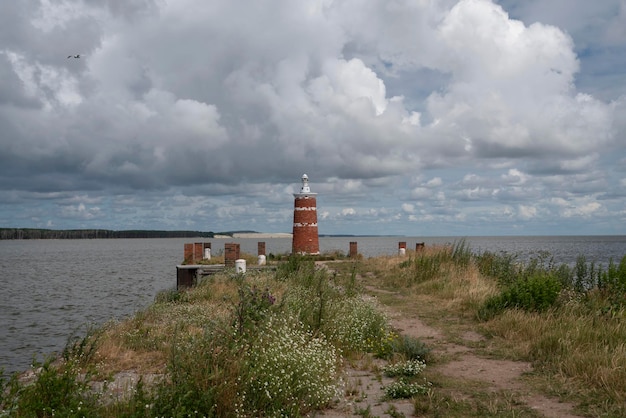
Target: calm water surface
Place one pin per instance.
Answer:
(52, 289)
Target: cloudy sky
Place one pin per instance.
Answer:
(414, 117)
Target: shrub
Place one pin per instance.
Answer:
(57, 391)
(410, 347)
(358, 325)
(309, 295)
(536, 293)
(403, 389)
(200, 375)
(613, 280)
(587, 275)
(192, 383)
(295, 266)
(9, 390)
(387, 346)
(344, 318)
(502, 266)
(286, 371)
(253, 306)
(408, 368)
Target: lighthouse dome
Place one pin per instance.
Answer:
(305, 184)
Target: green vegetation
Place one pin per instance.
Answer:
(535, 293)
(404, 389)
(57, 391)
(568, 322)
(409, 368)
(275, 342)
(270, 343)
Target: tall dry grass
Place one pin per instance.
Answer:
(577, 346)
(571, 342)
(444, 274)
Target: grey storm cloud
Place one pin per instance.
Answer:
(198, 96)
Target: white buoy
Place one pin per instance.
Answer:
(401, 251)
(207, 253)
(240, 265)
(261, 260)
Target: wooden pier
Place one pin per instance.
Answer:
(187, 274)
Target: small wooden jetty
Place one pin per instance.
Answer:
(187, 275)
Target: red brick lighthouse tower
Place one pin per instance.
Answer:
(305, 237)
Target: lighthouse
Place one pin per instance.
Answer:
(305, 236)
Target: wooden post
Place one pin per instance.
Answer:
(185, 276)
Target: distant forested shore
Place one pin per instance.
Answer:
(33, 233)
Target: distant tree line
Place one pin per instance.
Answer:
(31, 233)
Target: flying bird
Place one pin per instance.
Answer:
(73, 56)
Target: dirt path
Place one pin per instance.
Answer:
(499, 375)
(365, 388)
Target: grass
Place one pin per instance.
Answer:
(275, 342)
(471, 404)
(568, 322)
(266, 343)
